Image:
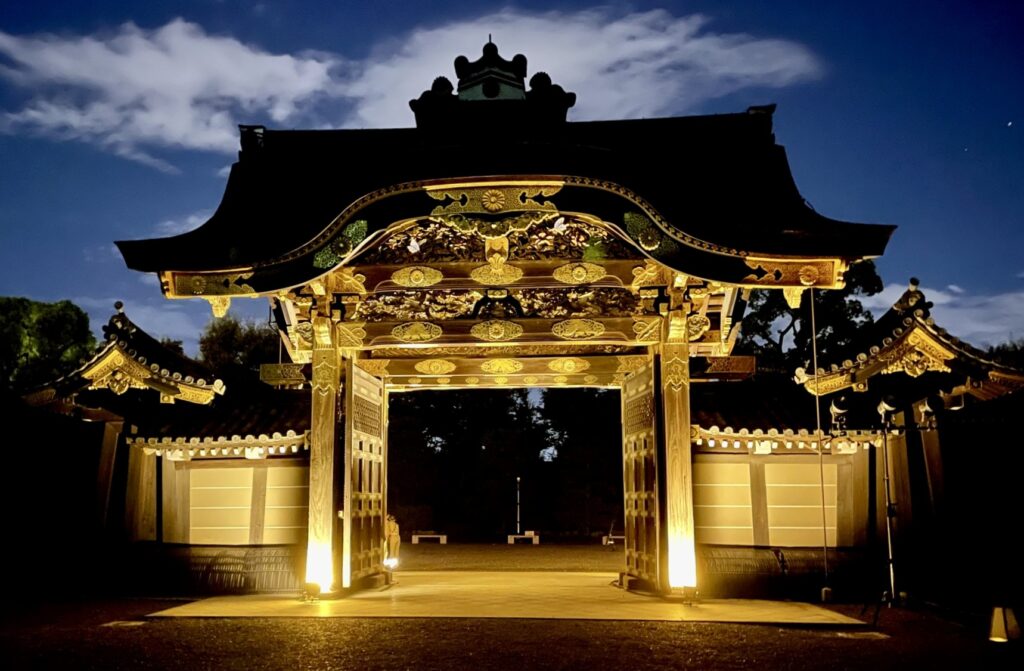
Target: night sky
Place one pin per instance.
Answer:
(118, 119)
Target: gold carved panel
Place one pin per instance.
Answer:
(496, 366)
(416, 276)
(496, 330)
(579, 273)
(416, 332)
(578, 329)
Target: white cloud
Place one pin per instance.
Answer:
(179, 320)
(978, 319)
(134, 91)
(956, 289)
(101, 253)
(169, 227)
(620, 65)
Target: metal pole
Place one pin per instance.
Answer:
(518, 530)
(888, 509)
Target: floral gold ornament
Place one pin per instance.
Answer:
(496, 366)
(490, 198)
(808, 275)
(579, 273)
(569, 365)
(496, 272)
(560, 379)
(472, 380)
(590, 379)
(415, 380)
(443, 380)
(212, 284)
(677, 373)
(646, 329)
(696, 326)
(531, 379)
(219, 305)
(631, 364)
(496, 330)
(375, 367)
(435, 367)
(493, 200)
(578, 329)
(416, 332)
(416, 276)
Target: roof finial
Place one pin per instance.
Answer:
(488, 38)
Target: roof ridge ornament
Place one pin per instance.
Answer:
(499, 83)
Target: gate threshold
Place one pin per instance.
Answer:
(518, 594)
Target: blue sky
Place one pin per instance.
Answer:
(117, 119)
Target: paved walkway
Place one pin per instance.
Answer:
(523, 594)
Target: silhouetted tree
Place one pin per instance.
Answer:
(228, 345)
(39, 342)
(1009, 353)
(176, 346)
(780, 336)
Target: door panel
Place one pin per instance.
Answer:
(640, 474)
(365, 438)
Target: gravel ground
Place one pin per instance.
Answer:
(105, 633)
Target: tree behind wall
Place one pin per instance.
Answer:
(229, 345)
(40, 342)
(780, 336)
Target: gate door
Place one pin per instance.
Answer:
(640, 475)
(365, 459)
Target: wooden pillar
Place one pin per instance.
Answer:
(175, 494)
(140, 496)
(105, 472)
(323, 439)
(673, 383)
(346, 475)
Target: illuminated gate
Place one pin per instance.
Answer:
(640, 475)
(366, 460)
(507, 248)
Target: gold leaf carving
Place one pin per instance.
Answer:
(792, 296)
(416, 276)
(435, 367)
(578, 329)
(650, 274)
(472, 380)
(496, 272)
(775, 272)
(492, 198)
(417, 332)
(219, 305)
(646, 329)
(347, 280)
(579, 273)
(376, 367)
(496, 330)
(531, 379)
(212, 284)
(590, 379)
(560, 379)
(696, 326)
(350, 334)
(501, 379)
(495, 366)
(631, 364)
(677, 373)
(569, 365)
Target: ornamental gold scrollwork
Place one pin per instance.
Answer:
(496, 272)
(219, 305)
(579, 273)
(415, 332)
(631, 364)
(212, 284)
(347, 280)
(416, 276)
(646, 329)
(375, 367)
(495, 366)
(793, 296)
(578, 329)
(325, 376)
(496, 330)
(651, 273)
(677, 373)
(531, 379)
(569, 365)
(590, 379)
(435, 367)
(493, 198)
(560, 379)
(696, 326)
(775, 272)
(350, 334)
(916, 356)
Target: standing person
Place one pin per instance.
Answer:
(394, 542)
